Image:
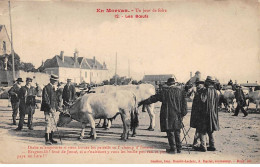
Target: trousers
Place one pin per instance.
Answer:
(174, 139)
(238, 108)
(203, 139)
(15, 107)
(49, 122)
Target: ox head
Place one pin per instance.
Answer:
(64, 117)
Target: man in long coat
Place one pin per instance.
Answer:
(240, 99)
(69, 92)
(197, 106)
(50, 106)
(27, 104)
(13, 92)
(173, 109)
(208, 122)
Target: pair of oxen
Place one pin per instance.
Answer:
(106, 103)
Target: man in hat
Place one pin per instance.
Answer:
(208, 115)
(13, 92)
(50, 106)
(27, 104)
(68, 94)
(173, 109)
(197, 107)
(240, 99)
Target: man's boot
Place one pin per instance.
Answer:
(47, 139)
(171, 141)
(51, 138)
(178, 140)
(14, 120)
(203, 145)
(211, 142)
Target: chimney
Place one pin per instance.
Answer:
(94, 59)
(104, 65)
(190, 74)
(42, 63)
(246, 81)
(62, 56)
(76, 56)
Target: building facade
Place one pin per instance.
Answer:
(79, 69)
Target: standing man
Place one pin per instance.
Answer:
(13, 92)
(27, 104)
(208, 115)
(240, 99)
(49, 106)
(68, 94)
(173, 109)
(197, 107)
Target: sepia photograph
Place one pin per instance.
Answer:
(130, 82)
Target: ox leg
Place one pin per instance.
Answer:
(109, 123)
(92, 125)
(105, 124)
(99, 123)
(83, 126)
(150, 109)
(256, 105)
(126, 124)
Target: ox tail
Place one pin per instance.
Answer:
(134, 115)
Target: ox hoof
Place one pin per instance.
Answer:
(93, 137)
(99, 125)
(107, 128)
(81, 138)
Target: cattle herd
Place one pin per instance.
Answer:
(106, 102)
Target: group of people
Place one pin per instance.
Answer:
(174, 108)
(23, 99)
(204, 113)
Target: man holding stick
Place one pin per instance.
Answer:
(49, 106)
(173, 109)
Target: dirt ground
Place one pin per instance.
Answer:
(236, 142)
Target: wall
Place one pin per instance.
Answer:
(40, 78)
(72, 73)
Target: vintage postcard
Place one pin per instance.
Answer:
(129, 82)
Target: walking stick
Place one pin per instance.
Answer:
(56, 127)
(182, 127)
(186, 141)
(186, 134)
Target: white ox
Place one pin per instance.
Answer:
(102, 106)
(227, 97)
(142, 92)
(253, 97)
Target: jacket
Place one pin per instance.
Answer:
(49, 98)
(173, 108)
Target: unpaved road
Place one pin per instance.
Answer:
(236, 142)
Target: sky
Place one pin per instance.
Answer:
(218, 38)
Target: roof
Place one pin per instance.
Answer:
(69, 62)
(250, 84)
(162, 78)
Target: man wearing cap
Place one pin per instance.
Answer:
(50, 106)
(197, 107)
(13, 92)
(27, 104)
(208, 115)
(173, 109)
(68, 94)
(240, 99)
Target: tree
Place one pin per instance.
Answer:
(18, 64)
(27, 67)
